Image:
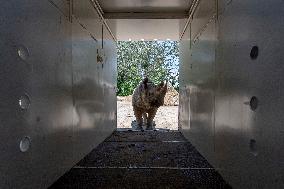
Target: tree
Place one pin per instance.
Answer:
(158, 60)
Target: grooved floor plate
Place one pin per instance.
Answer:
(145, 154)
(143, 160)
(146, 136)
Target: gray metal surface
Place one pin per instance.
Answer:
(57, 102)
(143, 160)
(137, 20)
(145, 6)
(220, 78)
(147, 29)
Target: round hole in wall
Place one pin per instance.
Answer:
(23, 52)
(253, 103)
(254, 52)
(24, 102)
(25, 144)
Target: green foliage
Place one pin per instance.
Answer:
(158, 60)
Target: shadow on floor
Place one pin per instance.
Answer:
(143, 159)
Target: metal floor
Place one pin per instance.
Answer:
(149, 159)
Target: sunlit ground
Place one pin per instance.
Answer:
(166, 117)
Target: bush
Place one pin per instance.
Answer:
(158, 60)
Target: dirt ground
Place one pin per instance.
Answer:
(166, 118)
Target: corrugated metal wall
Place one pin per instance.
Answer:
(56, 101)
(232, 89)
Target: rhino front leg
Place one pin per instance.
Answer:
(150, 118)
(139, 120)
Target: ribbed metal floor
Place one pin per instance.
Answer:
(135, 159)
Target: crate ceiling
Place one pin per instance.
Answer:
(146, 19)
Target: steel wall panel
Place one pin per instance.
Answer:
(93, 90)
(42, 36)
(197, 83)
(41, 59)
(244, 144)
(85, 14)
(63, 6)
(184, 69)
(249, 143)
(204, 11)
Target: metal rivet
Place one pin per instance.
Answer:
(254, 52)
(24, 102)
(23, 52)
(253, 103)
(25, 144)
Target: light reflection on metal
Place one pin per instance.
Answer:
(25, 144)
(192, 9)
(98, 9)
(24, 101)
(23, 52)
(235, 107)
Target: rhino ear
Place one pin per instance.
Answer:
(165, 87)
(145, 81)
(161, 84)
